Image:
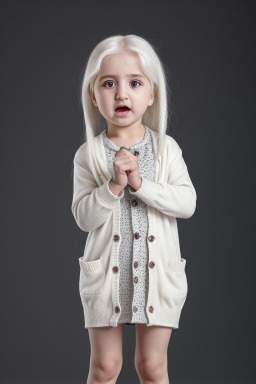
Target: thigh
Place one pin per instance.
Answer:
(151, 341)
(106, 341)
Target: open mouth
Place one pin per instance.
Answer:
(122, 109)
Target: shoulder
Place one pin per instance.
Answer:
(83, 149)
(96, 140)
(83, 153)
(171, 145)
(174, 151)
(80, 154)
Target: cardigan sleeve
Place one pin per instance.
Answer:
(91, 206)
(176, 197)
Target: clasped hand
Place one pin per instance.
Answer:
(126, 169)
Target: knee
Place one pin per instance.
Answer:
(151, 368)
(105, 369)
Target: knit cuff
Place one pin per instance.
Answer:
(147, 190)
(119, 196)
(106, 197)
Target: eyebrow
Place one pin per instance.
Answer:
(130, 75)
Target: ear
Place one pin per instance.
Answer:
(94, 102)
(152, 97)
(93, 97)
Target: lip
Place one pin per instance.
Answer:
(122, 113)
(122, 105)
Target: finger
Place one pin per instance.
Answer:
(121, 154)
(123, 157)
(128, 167)
(126, 156)
(123, 161)
(125, 151)
(125, 166)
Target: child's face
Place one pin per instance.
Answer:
(121, 87)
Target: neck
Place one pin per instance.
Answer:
(129, 132)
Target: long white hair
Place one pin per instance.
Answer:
(156, 115)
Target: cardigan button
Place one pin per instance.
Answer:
(117, 309)
(151, 264)
(151, 309)
(136, 153)
(135, 309)
(116, 237)
(134, 203)
(136, 279)
(135, 264)
(115, 269)
(137, 235)
(151, 238)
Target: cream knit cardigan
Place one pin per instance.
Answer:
(97, 210)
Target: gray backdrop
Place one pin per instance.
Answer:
(209, 48)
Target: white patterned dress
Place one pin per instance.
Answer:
(133, 251)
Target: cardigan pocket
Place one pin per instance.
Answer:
(176, 286)
(92, 277)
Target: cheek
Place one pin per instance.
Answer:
(101, 97)
(105, 104)
(142, 102)
(105, 101)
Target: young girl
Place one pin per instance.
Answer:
(130, 185)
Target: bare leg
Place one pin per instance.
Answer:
(106, 354)
(151, 361)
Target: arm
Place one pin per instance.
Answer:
(91, 205)
(177, 197)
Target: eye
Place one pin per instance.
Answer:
(108, 82)
(135, 81)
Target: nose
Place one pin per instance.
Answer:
(121, 92)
